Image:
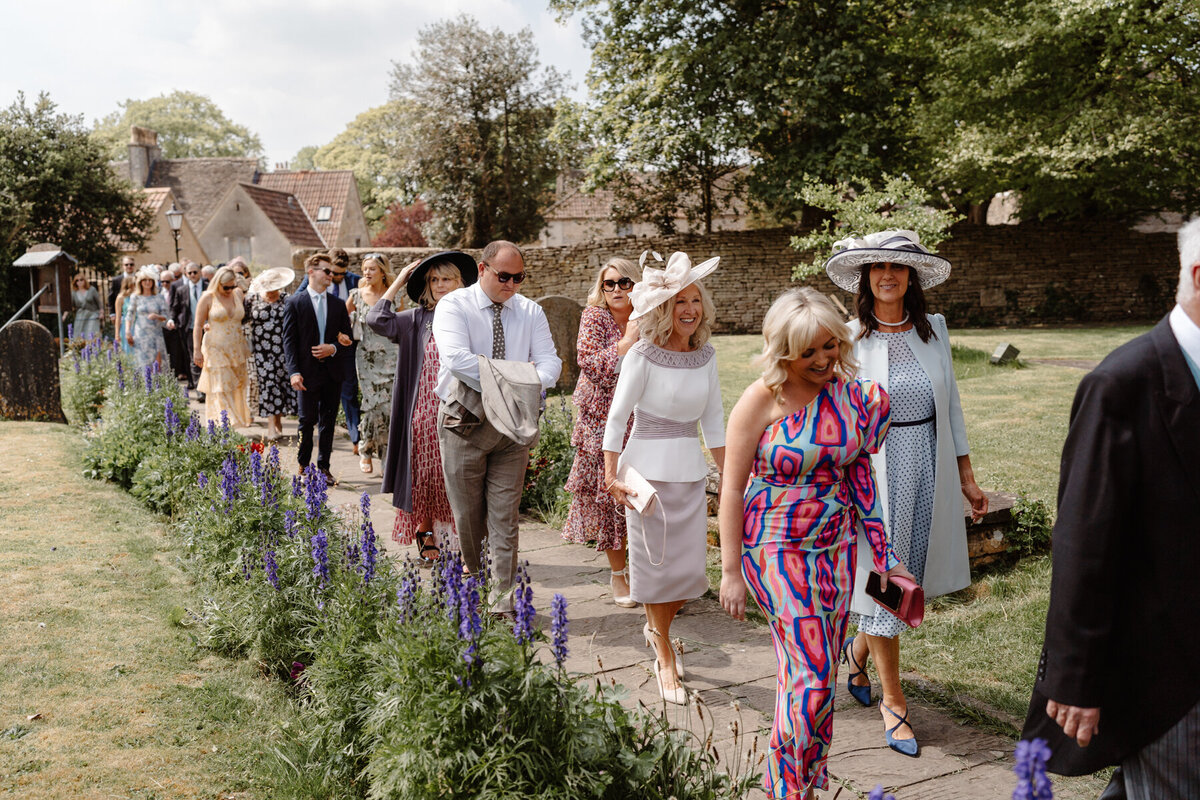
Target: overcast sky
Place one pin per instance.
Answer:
(293, 71)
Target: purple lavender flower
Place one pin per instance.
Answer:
(170, 420)
(272, 569)
(523, 611)
(1032, 781)
(231, 481)
(315, 491)
(558, 628)
(320, 556)
(877, 794)
(193, 428)
(201, 480)
(367, 543)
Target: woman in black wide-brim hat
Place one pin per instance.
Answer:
(923, 468)
(412, 469)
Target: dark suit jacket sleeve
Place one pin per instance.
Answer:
(291, 336)
(1096, 524)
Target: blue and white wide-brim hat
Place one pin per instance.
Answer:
(844, 267)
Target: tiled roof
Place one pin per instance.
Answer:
(316, 188)
(286, 212)
(200, 183)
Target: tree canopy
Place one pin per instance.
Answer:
(478, 109)
(56, 186)
(189, 125)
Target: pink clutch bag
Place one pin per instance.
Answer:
(904, 598)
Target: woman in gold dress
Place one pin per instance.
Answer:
(221, 351)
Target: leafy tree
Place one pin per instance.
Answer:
(189, 125)
(857, 208)
(304, 158)
(1080, 105)
(56, 186)
(402, 226)
(372, 147)
(478, 108)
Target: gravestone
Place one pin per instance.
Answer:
(1004, 353)
(29, 387)
(563, 314)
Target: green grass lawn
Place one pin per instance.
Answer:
(983, 643)
(102, 693)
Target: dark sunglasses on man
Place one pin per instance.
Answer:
(611, 285)
(505, 277)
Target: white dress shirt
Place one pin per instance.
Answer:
(1186, 331)
(462, 328)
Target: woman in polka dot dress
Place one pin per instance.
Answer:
(925, 461)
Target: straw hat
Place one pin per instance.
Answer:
(272, 280)
(145, 272)
(897, 247)
(659, 285)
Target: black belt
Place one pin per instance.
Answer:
(925, 421)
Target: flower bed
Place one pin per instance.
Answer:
(406, 687)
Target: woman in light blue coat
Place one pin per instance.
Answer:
(924, 466)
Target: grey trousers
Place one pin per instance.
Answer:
(1167, 768)
(485, 472)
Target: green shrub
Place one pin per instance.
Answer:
(85, 373)
(131, 423)
(550, 463)
(1031, 528)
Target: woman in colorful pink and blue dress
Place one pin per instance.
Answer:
(798, 482)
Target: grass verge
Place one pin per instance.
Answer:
(92, 639)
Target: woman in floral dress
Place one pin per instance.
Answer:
(605, 335)
(145, 312)
(375, 358)
(412, 469)
(264, 312)
(798, 482)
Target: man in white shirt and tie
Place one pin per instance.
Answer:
(185, 296)
(485, 470)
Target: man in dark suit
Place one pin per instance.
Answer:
(1116, 682)
(181, 311)
(128, 267)
(316, 332)
(341, 282)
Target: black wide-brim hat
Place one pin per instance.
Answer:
(465, 263)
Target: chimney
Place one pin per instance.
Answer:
(143, 152)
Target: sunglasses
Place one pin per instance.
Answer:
(611, 285)
(326, 270)
(505, 277)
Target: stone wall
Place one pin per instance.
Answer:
(1003, 275)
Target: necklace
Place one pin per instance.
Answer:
(893, 324)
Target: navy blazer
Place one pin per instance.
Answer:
(300, 336)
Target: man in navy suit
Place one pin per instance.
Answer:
(185, 296)
(316, 335)
(342, 281)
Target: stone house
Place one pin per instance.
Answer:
(160, 246)
(259, 224)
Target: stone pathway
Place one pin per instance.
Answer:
(730, 666)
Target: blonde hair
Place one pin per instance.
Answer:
(596, 296)
(790, 327)
(383, 267)
(129, 285)
(659, 322)
(443, 269)
(216, 279)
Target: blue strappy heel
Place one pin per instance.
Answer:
(860, 693)
(905, 747)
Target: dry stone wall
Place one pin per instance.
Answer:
(1003, 275)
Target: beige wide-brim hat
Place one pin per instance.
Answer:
(659, 285)
(273, 280)
(844, 267)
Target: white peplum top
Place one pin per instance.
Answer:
(668, 393)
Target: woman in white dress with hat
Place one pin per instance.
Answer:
(924, 466)
(668, 382)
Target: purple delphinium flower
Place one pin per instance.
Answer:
(558, 628)
(170, 419)
(70, 330)
(212, 429)
(470, 625)
(367, 544)
(320, 556)
(289, 523)
(314, 491)
(1032, 781)
(273, 460)
(224, 420)
(193, 428)
(523, 611)
(201, 480)
(877, 794)
(406, 595)
(297, 486)
(271, 568)
(231, 481)
(256, 468)
(148, 376)
(452, 583)
(120, 376)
